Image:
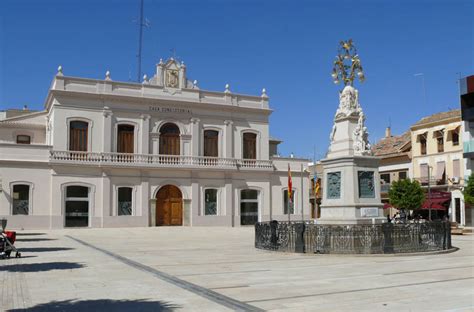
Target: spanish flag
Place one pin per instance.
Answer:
(290, 185)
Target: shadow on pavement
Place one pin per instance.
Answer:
(41, 267)
(44, 249)
(29, 234)
(103, 305)
(34, 239)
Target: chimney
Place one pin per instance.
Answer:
(388, 132)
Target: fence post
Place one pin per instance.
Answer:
(387, 229)
(273, 234)
(299, 242)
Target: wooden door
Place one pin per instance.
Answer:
(250, 146)
(169, 206)
(125, 139)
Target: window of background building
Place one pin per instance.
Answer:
(440, 141)
(21, 199)
(210, 202)
(125, 201)
(23, 139)
(423, 145)
(385, 177)
(402, 175)
(455, 137)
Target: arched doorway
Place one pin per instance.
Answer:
(169, 206)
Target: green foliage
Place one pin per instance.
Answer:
(406, 194)
(469, 190)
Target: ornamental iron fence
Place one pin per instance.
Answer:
(383, 238)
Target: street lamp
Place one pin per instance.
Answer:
(429, 193)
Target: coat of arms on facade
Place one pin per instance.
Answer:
(172, 78)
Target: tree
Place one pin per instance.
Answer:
(469, 190)
(406, 194)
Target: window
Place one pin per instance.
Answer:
(169, 139)
(249, 146)
(125, 201)
(456, 168)
(285, 202)
(424, 174)
(211, 143)
(423, 145)
(23, 139)
(78, 131)
(402, 175)
(125, 139)
(210, 202)
(440, 172)
(385, 177)
(455, 137)
(21, 199)
(440, 141)
(248, 207)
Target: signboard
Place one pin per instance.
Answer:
(170, 110)
(366, 184)
(369, 212)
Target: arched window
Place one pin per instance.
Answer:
(125, 139)
(249, 146)
(23, 139)
(21, 199)
(210, 202)
(211, 143)
(125, 201)
(78, 132)
(169, 139)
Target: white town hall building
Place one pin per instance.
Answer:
(104, 153)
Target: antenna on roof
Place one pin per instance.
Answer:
(141, 22)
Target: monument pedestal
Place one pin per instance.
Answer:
(352, 191)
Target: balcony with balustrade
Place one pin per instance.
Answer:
(157, 161)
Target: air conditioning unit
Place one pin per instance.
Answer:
(455, 180)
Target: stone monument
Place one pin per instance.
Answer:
(351, 194)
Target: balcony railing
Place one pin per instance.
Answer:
(384, 188)
(124, 159)
(469, 146)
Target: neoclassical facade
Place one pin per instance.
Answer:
(104, 153)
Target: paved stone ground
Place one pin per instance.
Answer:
(218, 269)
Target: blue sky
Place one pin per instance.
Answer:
(285, 46)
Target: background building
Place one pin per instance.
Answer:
(395, 163)
(104, 153)
(437, 157)
(467, 108)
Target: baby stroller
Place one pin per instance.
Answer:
(7, 241)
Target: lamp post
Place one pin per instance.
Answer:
(429, 193)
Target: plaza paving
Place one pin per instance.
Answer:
(218, 269)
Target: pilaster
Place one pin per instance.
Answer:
(107, 130)
(145, 133)
(228, 139)
(196, 137)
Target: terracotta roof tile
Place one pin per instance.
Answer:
(438, 116)
(391, 145)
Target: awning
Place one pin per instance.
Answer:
(438, 200)
(453, 128)
(421, 135)
(387, 206)
(438, 134)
